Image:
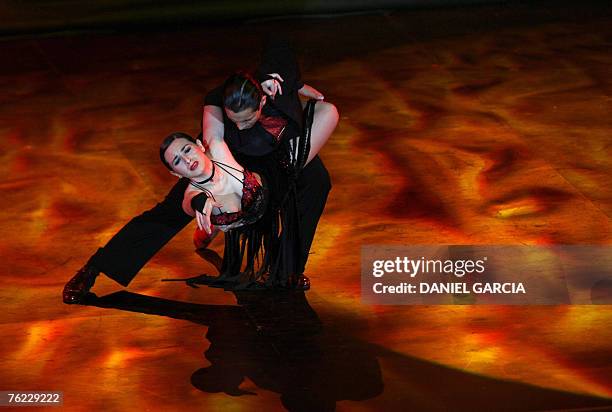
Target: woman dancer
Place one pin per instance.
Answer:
(239, 199)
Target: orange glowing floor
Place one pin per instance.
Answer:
(501, 136)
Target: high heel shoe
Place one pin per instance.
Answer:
(302, 282)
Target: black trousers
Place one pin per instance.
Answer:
(143, 236)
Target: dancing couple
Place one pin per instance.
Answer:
(254, 173)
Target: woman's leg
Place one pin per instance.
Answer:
(314, 184)
(324, 123)
(201, 239)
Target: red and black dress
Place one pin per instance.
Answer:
(253, 201)
(268, 251)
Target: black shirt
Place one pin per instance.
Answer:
(277, 57)
(255, 141)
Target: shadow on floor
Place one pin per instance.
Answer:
(274, 339)
(278, 342)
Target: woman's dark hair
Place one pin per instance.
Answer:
(241, 91)
(168, 141)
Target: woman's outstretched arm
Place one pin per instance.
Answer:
(213, 129)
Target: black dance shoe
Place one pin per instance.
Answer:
(301, 282)
(80, 284)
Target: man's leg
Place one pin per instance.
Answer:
(132, 247)
(313, 186)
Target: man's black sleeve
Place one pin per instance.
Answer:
(278, 57)
(214, 97)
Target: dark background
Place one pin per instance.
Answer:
(40, 16)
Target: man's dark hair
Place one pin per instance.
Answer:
(168, 141)
(241, 91)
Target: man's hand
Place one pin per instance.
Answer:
(203, 217)
(273, 86)
(311, 92)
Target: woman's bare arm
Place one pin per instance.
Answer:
(190, 193)
(213, 129)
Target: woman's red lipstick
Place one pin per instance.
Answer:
(194, 165)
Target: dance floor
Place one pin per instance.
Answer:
(486, 125)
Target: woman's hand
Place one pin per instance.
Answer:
(273, 86)
(203, 217)
(311, 92)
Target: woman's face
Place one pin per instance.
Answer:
(186, 158)
(246, 118)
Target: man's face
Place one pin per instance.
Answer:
(246, 118)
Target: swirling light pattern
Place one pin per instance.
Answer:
(500, 137)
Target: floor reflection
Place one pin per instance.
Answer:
(276, 340)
